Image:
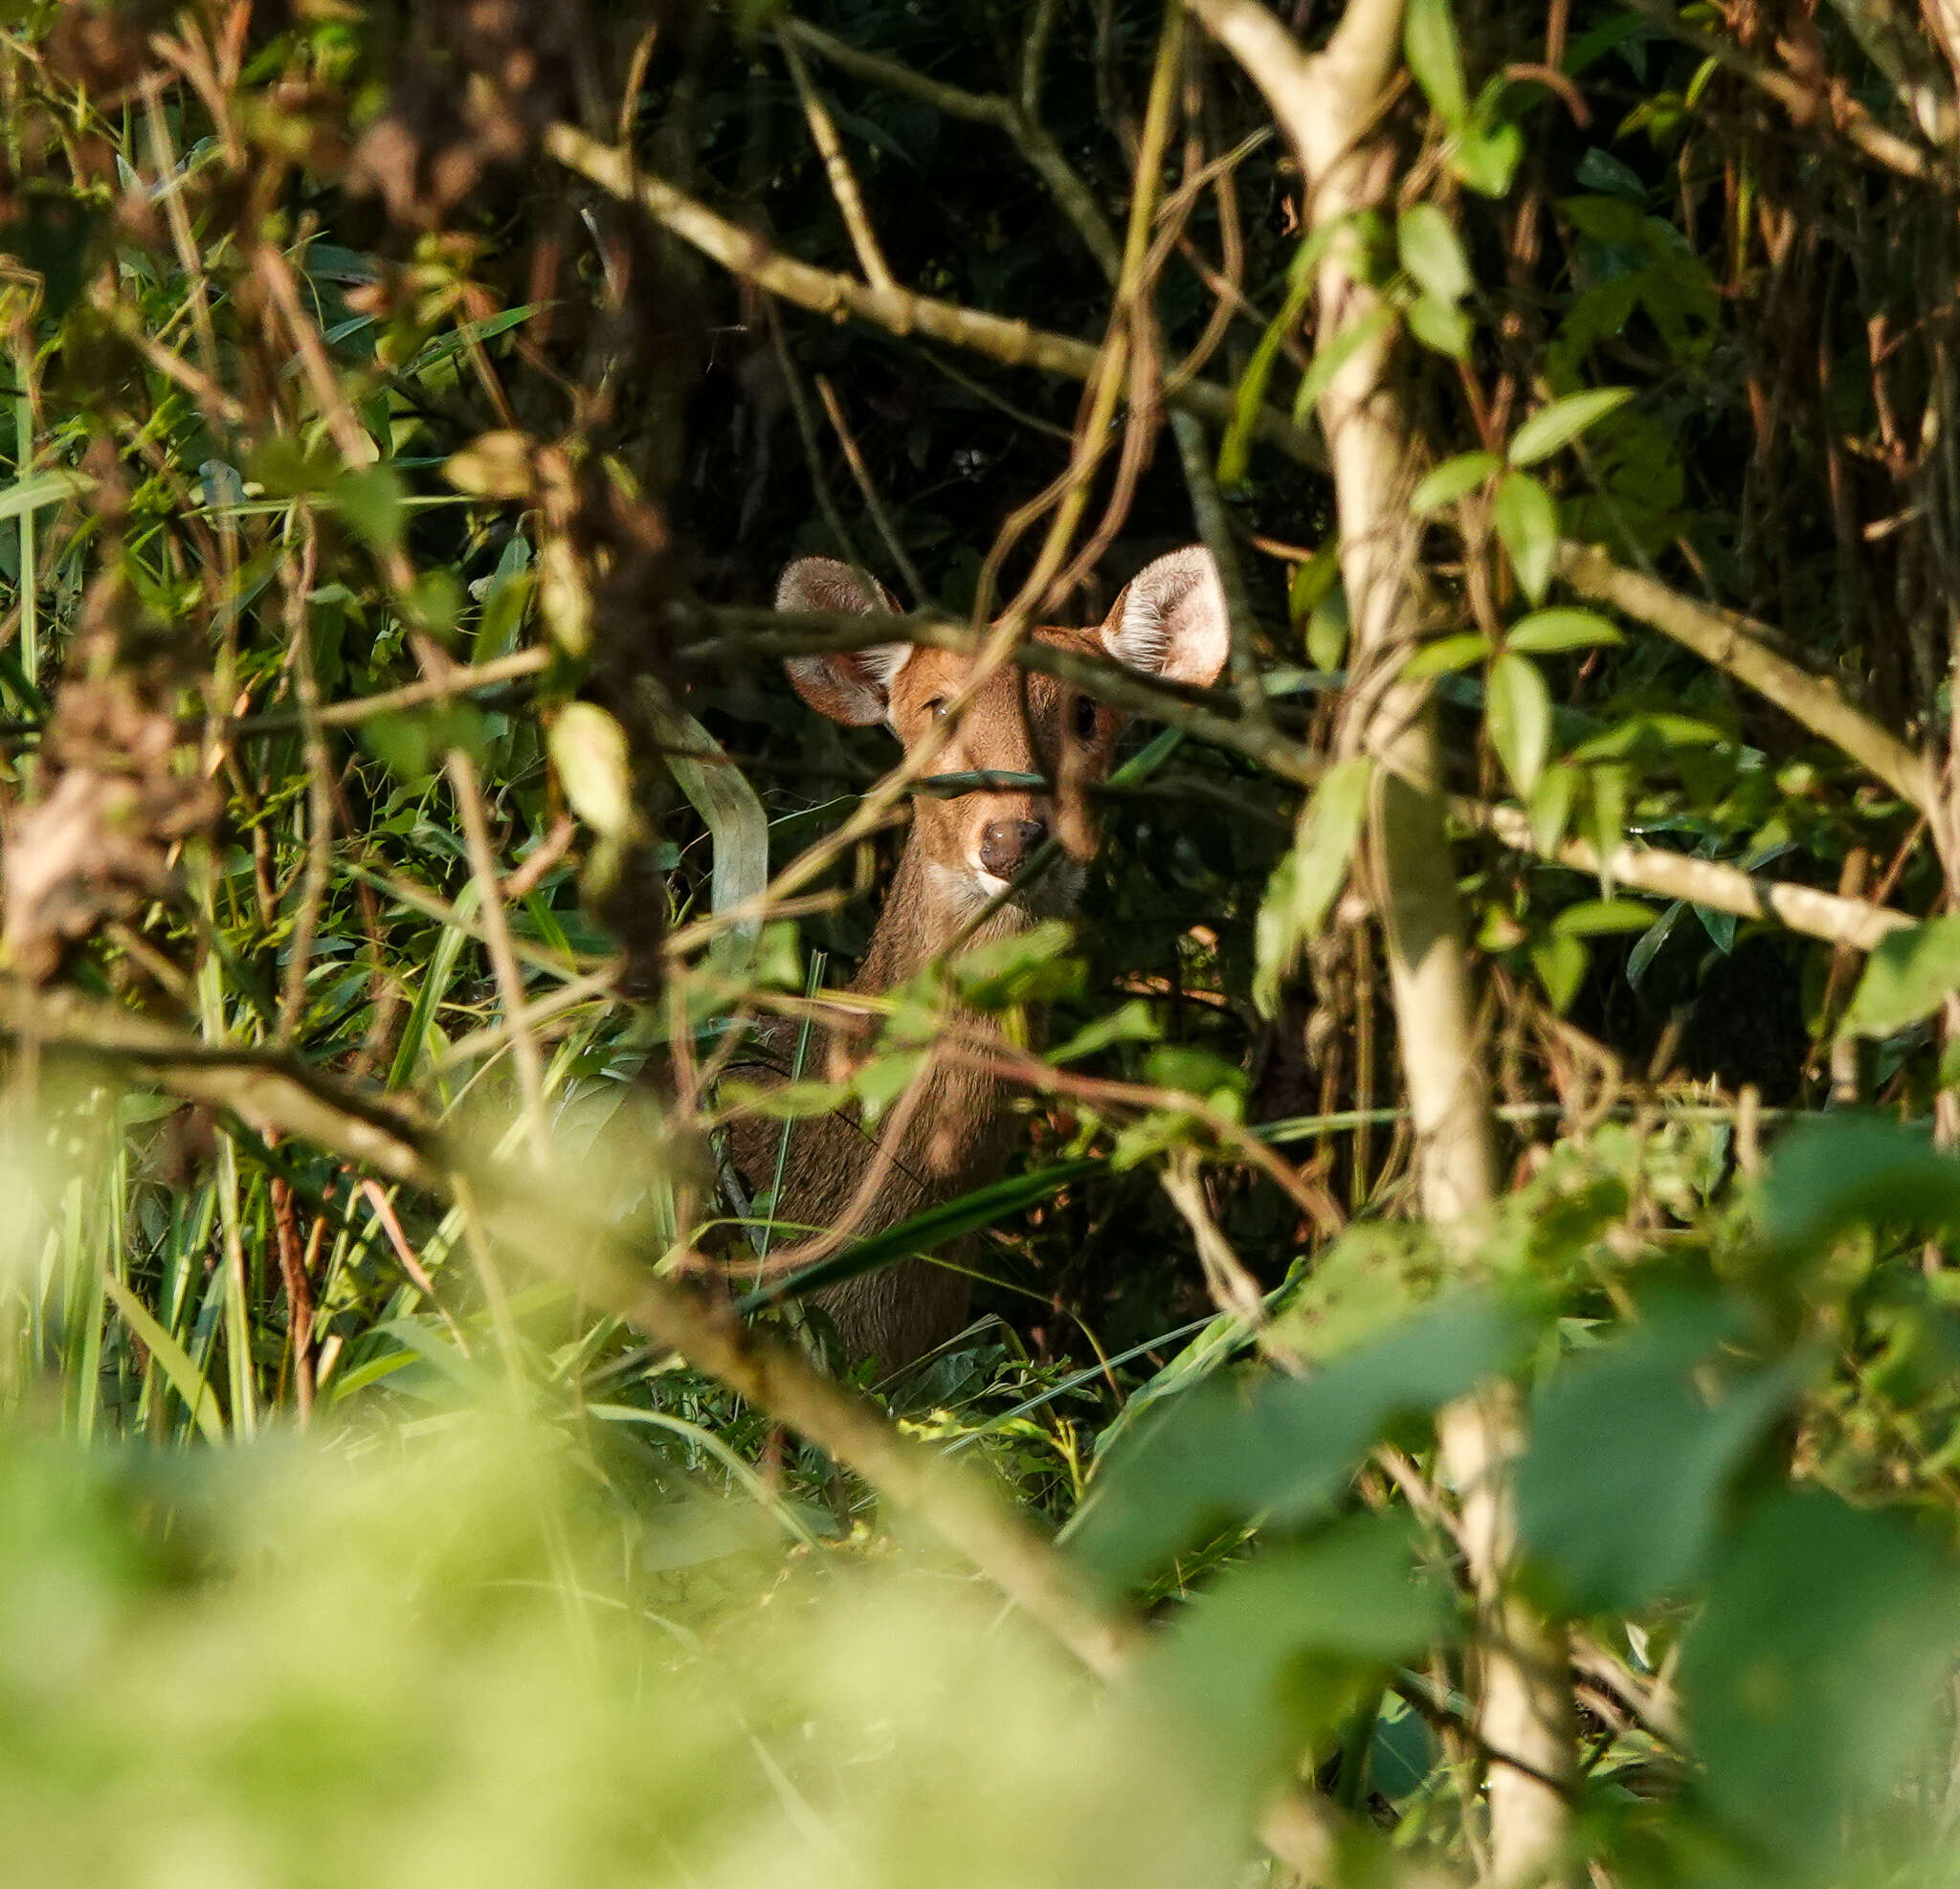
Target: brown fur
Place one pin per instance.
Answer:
(952, 1132)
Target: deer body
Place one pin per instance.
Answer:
(951, 1131)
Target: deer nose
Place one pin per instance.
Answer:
(1006, 845)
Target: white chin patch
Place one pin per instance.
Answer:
(988, 883)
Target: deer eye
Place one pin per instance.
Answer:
(1085, 718)
(936, 707)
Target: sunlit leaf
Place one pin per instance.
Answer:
(1630, 1451)
(1454, 479)
(1281, 1448)
(1439, 327)
(1432, 253)
(1518, 716)
(1446, 655)
(1278, 1652)
(1303, 888)
(1428, 42)
(1562, 422)
(1812, 1679)
(1527, 520)
(589, 751)
(1549, 632)
(1908, 976)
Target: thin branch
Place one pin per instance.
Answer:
(458, 681)
(1018, 121)
(299, 586)
(843, 180)
(896, 310)
(1732, 643)
(270, 1087)
(1215, 529)
(1804, 102)
(496, 922)
(1826, 914)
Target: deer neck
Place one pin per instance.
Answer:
(928, 906)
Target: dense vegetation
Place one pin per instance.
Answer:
(1466, 1383)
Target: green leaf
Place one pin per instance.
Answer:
(1647, 945)
(1550, 804)
(1432, 253)
(1811, 1681)
(43, 489)
(1446, 654)
(1560, 962)
(1027, 967)
(1631, 1450)
(413, 742)
(1428, 42)
(1486, 158)
(1909, 976)
(1133, 1022)
(1282, 1449)
(1194, 1071)
(1854, 1171)
(1303, 888)
(1249, 396)
(1596, 918)
(1281, 1650)
(1339, 350)
(1312, 581)
(1549, 632)
(1562, 422)
(588, 749)
(1527, 520)
(1516, 713)
(372, 502)
(1402, 1751)
(1328, 630)
(1454, 479)
(1440, 327)
(172, 1360)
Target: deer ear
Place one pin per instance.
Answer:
(851, 686)
(1170, 620)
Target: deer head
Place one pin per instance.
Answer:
(1169, 623)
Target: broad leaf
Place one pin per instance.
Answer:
(1619, 1493)
(1335, 354)
(1432, 253)
(1562, 422)
(1440, 327)
(1281, 1449)
(1307, 881)
(1518, 714)
(1596, 918)
(1454, 479)
(1274, 1656)
(1527, 522)
(588, 751)
(1849, 1170)
(1548, 632)
(1487, 156)
(1812, 1680)
(1446, 655)
(1428, 42)
(1909, 976)
(1560, 962)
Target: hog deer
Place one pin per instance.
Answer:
(952, 1132)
